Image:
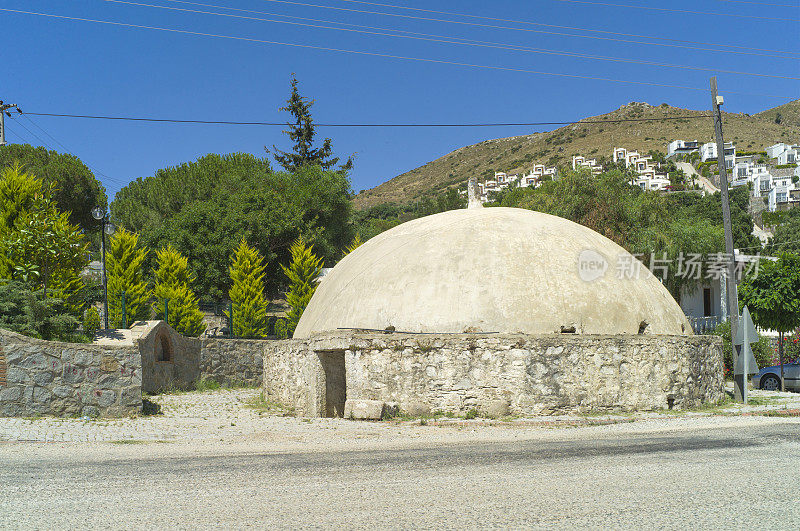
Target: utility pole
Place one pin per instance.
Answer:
(3, 112)
(730, 281)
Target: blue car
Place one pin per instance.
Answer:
(769, 378)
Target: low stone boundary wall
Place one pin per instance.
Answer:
(65, 379)
(233, 361)
(498, 374)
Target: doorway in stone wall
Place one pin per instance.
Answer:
(335, 382)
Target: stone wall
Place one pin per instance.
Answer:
(65, 379)
(169, 360)
(232, 361)
(501, 374)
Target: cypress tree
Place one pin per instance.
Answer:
(302, 273)
(247, 292)
(124, 269)
(173, 284)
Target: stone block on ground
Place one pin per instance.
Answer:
(363, 409)
(494, 408)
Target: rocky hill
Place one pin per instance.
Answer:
(591, 137)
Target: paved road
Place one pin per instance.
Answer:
(748, 476)
(702, 181)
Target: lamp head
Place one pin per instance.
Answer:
(98, 213)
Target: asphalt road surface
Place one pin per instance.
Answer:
(746, 477)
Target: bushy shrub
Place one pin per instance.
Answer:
(173, 280)
(91, 322)
(26, 312)
(280, 329)
(302, 273)
(247, 293)
(124, 268)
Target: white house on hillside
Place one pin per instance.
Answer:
(581, 162)
(649, 177)
(708, 151)
(682, 147)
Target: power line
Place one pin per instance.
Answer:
(684, 11)
(43, 143)
(468, 15)
(448, 40)
(376, 54)
(283, 124)
(69, 150)
(746, 2)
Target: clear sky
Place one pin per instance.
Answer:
(59, 65)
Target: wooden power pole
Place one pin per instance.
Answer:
(730, 280)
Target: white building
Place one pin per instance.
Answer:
(503, 180)
(708, 151)
(682, 147)
(649, 177)
(776, 150)
(579, 161)
(705, 304)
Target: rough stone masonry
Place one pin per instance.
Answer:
(498, 374)
(63, 379)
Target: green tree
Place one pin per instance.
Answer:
(301, 132)
(173, 284)
(38, 243)
(786, 236)
(772, 294)
(303, 272)
(247, 293)
(204, 208)
(18, 194)
(75, 188)
(124, 261)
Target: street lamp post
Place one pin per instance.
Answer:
(99, 214)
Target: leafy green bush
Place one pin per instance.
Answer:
(280, 329)
(27, 312)
(173, 280)
(91, 322)
(124, 265)
(302, 274)
(247, 293)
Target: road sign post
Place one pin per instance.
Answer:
(745, 363)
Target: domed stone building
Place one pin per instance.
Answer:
(492, 270)
(502, 310)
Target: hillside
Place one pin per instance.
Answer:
(517, 154)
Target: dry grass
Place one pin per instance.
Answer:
(516, 154)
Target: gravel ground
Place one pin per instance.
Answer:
(210, 461)
(224, 416)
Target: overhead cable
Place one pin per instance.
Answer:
(377, 54)
(448, 40)
(283, 124)
(540, 24)
(684, 11)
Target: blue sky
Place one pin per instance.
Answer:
(56, 65)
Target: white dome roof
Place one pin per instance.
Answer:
(505, 270)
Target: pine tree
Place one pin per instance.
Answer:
(247, 292)
(301, 132)
(302, 273)
(173, 281)
(124, 269)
